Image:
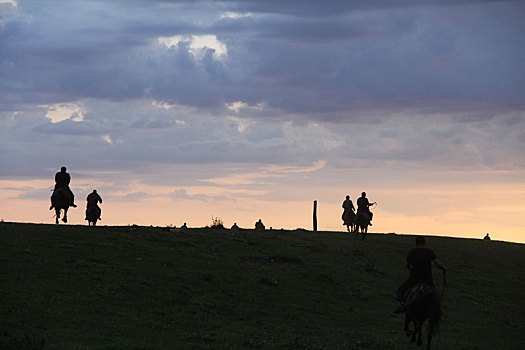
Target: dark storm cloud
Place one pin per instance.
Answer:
(296, 29)
(314, 8)
(350, 57)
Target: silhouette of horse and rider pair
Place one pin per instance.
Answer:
(359, 221)
(63, 198)
(418, 298)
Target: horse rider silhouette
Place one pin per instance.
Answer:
(62, 180)
(363, 206)
(419, 264)
(92, 202)
(348, 212)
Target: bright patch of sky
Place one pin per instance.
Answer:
(11, 2)
(265, 173)
(236, 15)
(242, 124)
(64, 111)
(107, 138)
(162, 105)
(239, 105)
(198, 44)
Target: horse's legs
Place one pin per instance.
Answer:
(429, 338)
(57, 215)
(419, 331)
(65, 215)
(407, 323)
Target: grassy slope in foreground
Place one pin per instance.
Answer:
(76, 287)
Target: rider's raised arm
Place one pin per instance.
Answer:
(439, 264)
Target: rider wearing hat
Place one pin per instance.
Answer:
(363, 206)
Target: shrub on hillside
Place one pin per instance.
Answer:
(217, 223)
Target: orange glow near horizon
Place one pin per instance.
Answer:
(468, 218)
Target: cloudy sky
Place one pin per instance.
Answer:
(177, 111)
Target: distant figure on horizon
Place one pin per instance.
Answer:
(419, 264)
(487, 237)
(92, 204)
(348, 213)
(184, 227)
(62, 180)
(235, 227)
(363, 205)
(259, 226)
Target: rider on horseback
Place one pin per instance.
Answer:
(348, 206)
(62, 180)
(92, 202)
(419, 263)
(363, 206)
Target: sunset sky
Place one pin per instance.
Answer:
(177, 111)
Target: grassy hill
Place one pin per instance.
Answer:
(78, 287)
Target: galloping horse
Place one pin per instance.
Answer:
(92, 215)
(362, 221)
(423, 302)
(61, 200)
(349, 220)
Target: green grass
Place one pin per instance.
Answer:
(77, 287)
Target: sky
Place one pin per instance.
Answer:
(180, 111)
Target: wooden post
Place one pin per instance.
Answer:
(315, 216)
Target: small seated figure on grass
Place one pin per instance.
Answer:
(184, 227)
(234, 229)
(487, 237)
(259, 226)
